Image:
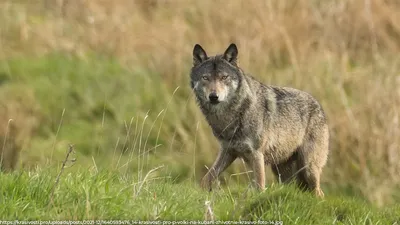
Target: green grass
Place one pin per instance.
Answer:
(85, 99)
(92, 195)
(124, 123)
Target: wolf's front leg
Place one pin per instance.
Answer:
(255, 160)
(224, 159)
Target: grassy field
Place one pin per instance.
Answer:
(105, 195)
(111, 78)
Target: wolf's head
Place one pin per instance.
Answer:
(215, 79)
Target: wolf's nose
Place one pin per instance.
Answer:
(213, 97)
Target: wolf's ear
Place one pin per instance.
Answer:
(199, 55)
(231, 54)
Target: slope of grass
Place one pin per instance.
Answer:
(100, 195)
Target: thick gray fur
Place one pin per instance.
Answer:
(264, 125)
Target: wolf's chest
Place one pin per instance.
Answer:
(235, 135)
(224, 128)
(225, 132)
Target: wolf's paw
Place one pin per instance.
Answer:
(319, 193)
(205, 183)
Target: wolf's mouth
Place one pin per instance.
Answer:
(214, 102)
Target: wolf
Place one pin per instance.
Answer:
(262, 124)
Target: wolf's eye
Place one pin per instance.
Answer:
(205, 78)
(224, 77)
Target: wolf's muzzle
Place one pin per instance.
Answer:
(213, 97)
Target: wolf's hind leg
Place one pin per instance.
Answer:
(312, 157)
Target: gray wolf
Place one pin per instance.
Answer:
(264, 125)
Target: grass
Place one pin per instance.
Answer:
(106, 195)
